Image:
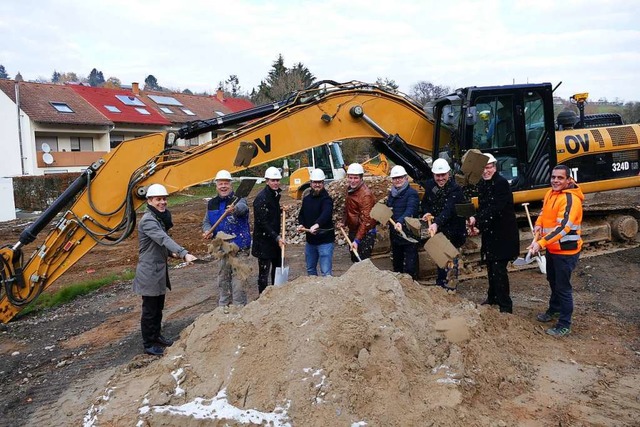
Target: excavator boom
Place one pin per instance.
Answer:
(108, 194)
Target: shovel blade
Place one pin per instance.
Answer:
(381, 213)
(245, 187)
(521, 261)
(282, 276)
(441, 250)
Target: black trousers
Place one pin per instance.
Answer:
(405, 259)
(499, 286)
(151, 320)
(267, 267)
(365, 247)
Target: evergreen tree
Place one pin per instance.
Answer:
(187, 91)
(3, 72)
(151, 83)
(281, 81)
(55, 77)
(96, 78)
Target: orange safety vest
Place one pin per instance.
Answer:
(561, 221)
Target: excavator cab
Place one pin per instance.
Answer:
(514, 123)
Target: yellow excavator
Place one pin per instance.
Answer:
(526, 143)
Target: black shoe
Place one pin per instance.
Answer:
(166, 342)
(506, 310)
(154, 350)
(488, 302)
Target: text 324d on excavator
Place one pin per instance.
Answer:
(514, 123)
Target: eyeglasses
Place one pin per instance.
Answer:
(397, 178)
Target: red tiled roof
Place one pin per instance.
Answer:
(202, 107)
(36, 99)
(101, 97)
(237, 104)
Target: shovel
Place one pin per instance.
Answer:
(245, 187)
(282, 272)
(542, 262)
(346, 237)
(382, 213)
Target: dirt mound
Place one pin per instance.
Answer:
(367, 347)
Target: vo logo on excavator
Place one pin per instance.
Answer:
(574, 142)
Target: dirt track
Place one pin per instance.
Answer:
(55, 364)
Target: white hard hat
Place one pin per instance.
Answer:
(317, 175)
(355, 169)
(491, 158)
(440, 166)
(272, 173)
(397, 171)
(155, 190)
(223, 174)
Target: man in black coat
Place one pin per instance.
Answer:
(440, 198)
(267, 242)
(496, 219)
(316, 218)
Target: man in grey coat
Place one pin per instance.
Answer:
(152, 273)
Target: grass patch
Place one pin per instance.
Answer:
(71, 292)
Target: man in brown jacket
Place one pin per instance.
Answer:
(357, 207)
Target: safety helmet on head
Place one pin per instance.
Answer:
(397, 171)
(156, 190)
(440, 166)
(355, 169)
(491, 158)
(272, 173)
(317, 175)
(223, 174)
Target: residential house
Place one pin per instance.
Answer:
(50, 128)
(131, 117)
(181, 108)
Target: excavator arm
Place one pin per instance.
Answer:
(104, 199)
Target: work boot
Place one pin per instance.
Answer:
(547, 317)
(166, 342)
(154, 350)
(558, 332)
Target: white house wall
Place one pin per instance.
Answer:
(11, 163)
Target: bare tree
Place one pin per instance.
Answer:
(424, 91)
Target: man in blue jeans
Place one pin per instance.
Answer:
(316, 220)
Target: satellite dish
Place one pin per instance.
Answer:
(47, 158)
(45, 147)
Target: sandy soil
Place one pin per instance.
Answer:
(366, 346)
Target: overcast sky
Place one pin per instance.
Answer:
(591, 46)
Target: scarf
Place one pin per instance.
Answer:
(395, 191)
(163, 217)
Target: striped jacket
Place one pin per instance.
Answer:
(561, 220)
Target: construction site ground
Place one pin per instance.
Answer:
(56, 365)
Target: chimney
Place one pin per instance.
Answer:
(220, 95)
(135, 88)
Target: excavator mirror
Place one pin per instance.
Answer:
(448, 115)
(246, 152)
(472, 116)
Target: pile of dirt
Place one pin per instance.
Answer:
(367, 348)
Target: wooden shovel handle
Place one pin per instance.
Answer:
(346, 236)
(284, 217)
(217, 223)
